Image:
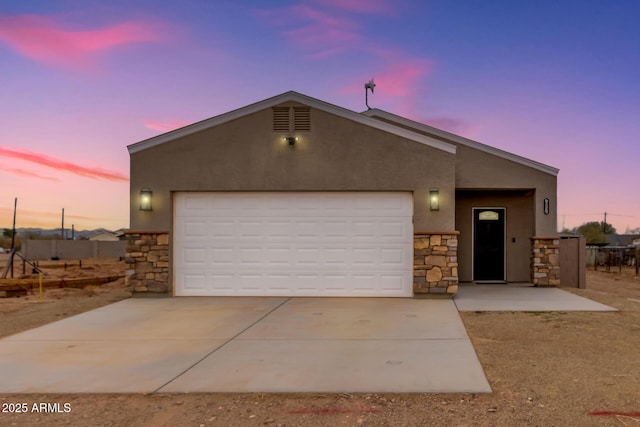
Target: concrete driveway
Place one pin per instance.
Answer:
(248, 345)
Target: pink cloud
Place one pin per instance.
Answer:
(402, 77)
(360, 6)
(399, 86)
(62, 165)
(28, 173)
(165, 126)
(43, 39)
(321, 33)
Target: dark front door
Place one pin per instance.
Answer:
(488, 243)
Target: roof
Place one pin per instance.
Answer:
(292, 96)
(374, 112)
(622, 239)
(103, 235)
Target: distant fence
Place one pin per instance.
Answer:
(611, 256)
(72, 249)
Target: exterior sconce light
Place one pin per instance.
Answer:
(145, 199)
(291, 140)
(545, 206)
(434, 199)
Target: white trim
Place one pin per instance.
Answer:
(473, 243)
(461, 140)
(291, 97)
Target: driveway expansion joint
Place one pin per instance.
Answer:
(222, 345)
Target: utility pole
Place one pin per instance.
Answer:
(604, 224)
(62, 227)
(13, 238)
(13, 228)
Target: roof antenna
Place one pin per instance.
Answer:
(370, 85)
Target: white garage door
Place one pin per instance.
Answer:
(293, 243)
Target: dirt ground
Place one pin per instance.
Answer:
(545, 369)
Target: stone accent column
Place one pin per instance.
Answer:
(148, 261)
(545, 260)
(435, 263)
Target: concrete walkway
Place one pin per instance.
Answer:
(522, 297)
(248, 345)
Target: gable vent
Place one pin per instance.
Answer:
(301, 119)
(281, 119)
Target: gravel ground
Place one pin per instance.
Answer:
(546, 369)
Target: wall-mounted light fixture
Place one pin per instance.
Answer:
(291, 140)
(434, 199)
(545, 206)
(145, 199)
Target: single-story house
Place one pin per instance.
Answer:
(294, 196)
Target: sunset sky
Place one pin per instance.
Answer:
(554, 81)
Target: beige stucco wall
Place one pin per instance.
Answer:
(337, 155)
(519, 227)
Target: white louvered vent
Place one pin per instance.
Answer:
(281, 119)
(301, 119)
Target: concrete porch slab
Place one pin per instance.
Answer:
(472, 297)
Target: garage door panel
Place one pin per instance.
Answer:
(249, 229)
(392, 282)
(307, 257)
(336, 282)
(307, 229)
(221, 257)
(220, 229)
(393, 257)
(194, 256)
(365, 257)
(325, 244)
(278, 257)
(195, 282)
(195, 229)
(194, 202)
(394, 229)
(250, 256)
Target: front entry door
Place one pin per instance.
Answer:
(488, 244)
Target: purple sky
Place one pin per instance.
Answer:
(554, 81)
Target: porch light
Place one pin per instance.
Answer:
(145, 199)
(291, 140)
(434, 199)
(545, 207)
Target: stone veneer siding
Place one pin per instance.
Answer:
(435, 263)
(545, 261)
(148, 261)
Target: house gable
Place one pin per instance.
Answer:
(289, 97)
